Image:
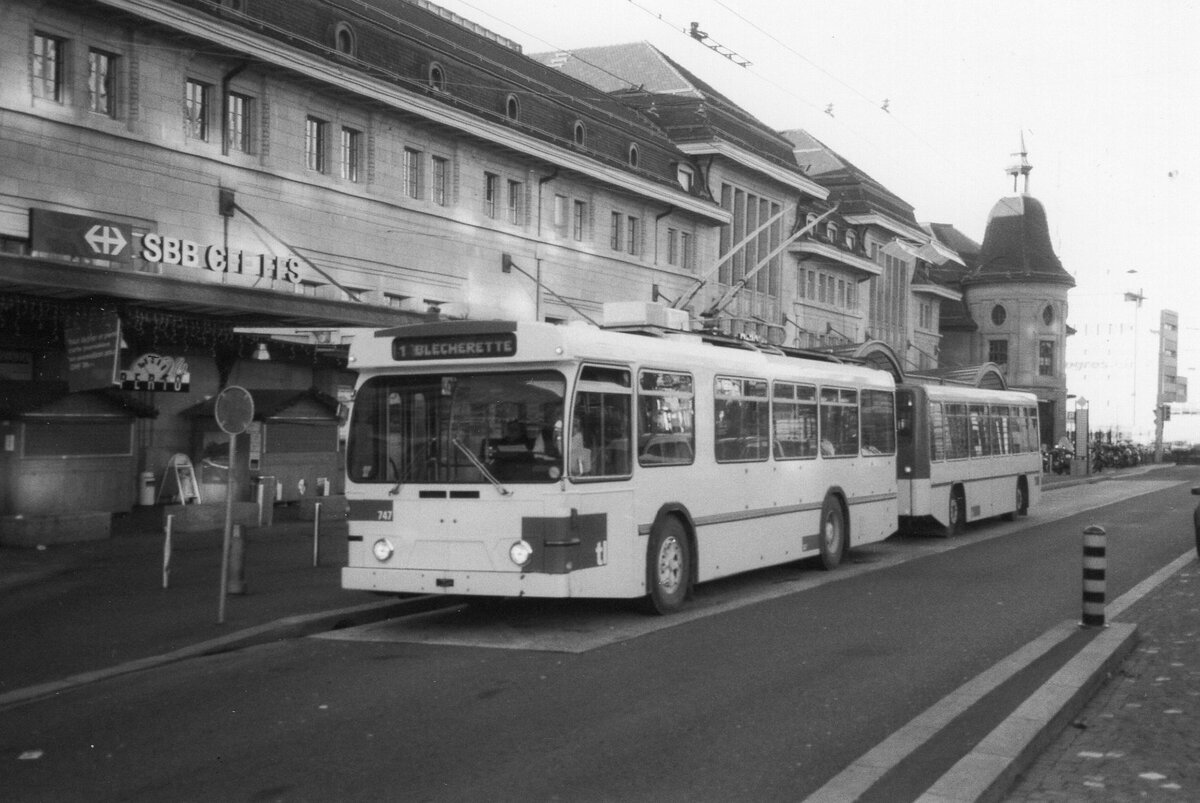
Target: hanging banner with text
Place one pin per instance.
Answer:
(93, 346)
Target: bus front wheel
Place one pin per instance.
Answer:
(833, 533)
(668, 566)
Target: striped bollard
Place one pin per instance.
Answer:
(1094, 565)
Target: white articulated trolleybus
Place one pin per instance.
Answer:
(966, 453)
(529, 459)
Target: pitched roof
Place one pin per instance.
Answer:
(685, 106)
(853, 188)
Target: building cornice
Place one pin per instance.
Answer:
(297, 61)
(757, 163)
(835, 254)
(884, 222)
(936, 290)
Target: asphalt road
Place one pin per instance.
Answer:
(770, 687)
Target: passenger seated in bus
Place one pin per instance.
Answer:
(548, 443)
(577, 451)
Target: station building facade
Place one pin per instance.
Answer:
(201, 193)
(183, 180)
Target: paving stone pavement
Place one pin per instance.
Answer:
(1138, 739)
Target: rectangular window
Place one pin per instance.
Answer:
(315, 143)
(672, 247)
(48, 67)
(350, 155)
(237, 123)
(666, 419)
(635, 236)
(794, 421)
(958, 428)
(618, 237)
(1046, 358)
(441, 180)
(491, 188)
(812, 285)
(412, 173)
(937, 432)
(516, 191)
(878, 423)
(741, 413)
(560, 212)
(839, 422)
(685, 247)
(578, 220)
(102, 83)
(998, 352)
(980, 440)
(196, 108)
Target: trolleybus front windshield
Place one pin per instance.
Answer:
(457, 428)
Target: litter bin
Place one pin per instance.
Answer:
(146, 489)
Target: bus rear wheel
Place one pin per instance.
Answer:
(1022, 503)
(668, 567)
(833, 533)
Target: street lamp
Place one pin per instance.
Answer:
(1137, 299)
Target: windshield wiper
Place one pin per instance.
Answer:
(475, 461)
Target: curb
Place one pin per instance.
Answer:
(287, 628)
(988, 772)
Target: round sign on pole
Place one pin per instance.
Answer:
(234, 410)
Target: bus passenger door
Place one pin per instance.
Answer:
(906, 450)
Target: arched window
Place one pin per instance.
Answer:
(999, 315)
(851, 239)
(1048, 315)
(633, 154)
(579, 133)
(512, 107)
(344, 39)
(437, 77)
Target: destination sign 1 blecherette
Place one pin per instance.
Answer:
(455, 347)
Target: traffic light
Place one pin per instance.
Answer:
(1166, 412)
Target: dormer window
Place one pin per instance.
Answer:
(851, 240)
(831, 232)
(512, 107)
(810, 222)
(437, 77)
(633, 154)
(579, 133)
(686, 176)
(344, 39)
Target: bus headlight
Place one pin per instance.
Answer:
(382, 549)
(520, 552)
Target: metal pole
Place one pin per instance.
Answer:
(316, 533)
(167, 551)
(228, 532)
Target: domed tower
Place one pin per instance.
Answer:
(1018, 297)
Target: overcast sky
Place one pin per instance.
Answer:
(1106, 94)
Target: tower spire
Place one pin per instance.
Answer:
(1020, 166)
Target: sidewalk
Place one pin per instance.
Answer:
(1139, 737)
(76, 612)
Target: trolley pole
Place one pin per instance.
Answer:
(1095, 563)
